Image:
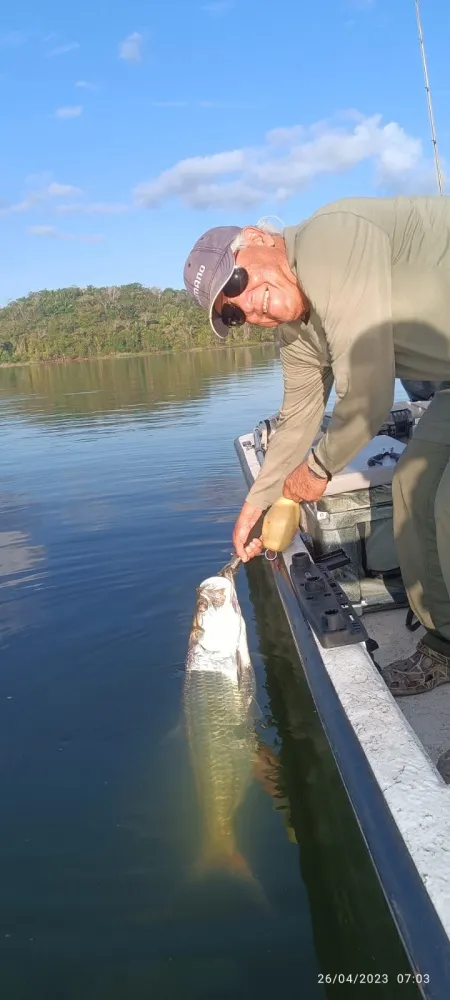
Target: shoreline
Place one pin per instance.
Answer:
(137, 354)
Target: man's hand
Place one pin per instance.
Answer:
(303, 484)
(246, 521)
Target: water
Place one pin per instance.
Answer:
(119, 487)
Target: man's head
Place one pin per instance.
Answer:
(243, 275)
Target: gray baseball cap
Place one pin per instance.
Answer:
(210, 264)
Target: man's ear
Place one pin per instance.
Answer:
(257, 237)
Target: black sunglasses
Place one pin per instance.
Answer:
(231, 314)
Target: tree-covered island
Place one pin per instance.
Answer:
(71, 323)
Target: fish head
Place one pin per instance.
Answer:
(217, 620)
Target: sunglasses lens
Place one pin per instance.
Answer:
(236, 284)
(232, 315)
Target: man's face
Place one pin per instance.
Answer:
(272, 295)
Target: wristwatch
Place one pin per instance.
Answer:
(319, 463)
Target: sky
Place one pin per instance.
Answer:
(128, 129)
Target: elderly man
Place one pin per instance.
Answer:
(361, 292)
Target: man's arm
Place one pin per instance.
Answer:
(344, 264)
(307, 387)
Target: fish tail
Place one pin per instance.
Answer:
(217, 859)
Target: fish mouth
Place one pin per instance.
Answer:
(202, 605)
(216, 590)
(266, 296)
(197, 631)
(230, 569)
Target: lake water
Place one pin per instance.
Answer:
(119, 487)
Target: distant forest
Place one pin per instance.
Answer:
(72, 323)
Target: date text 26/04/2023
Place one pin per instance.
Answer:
(371, 978)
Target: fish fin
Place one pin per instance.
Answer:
(240, 669)
(254, 710)
(173, 734)
(232, 864)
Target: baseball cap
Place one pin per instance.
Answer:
(210, 264)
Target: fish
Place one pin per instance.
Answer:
(220, 710)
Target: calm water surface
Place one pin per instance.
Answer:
(119, 487)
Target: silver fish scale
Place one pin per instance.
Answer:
(221, 741)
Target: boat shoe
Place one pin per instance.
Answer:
(421, 672)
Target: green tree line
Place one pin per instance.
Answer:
(71, 323)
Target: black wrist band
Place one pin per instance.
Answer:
(319, 463)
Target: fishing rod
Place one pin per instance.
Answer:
(429, 103)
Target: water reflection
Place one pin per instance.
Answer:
(16, 556)
(352, 925)
(118, 387)
(22, 566)
(119, 487)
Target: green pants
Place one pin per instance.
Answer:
(421, 493)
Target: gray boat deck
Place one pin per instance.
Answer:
(428, 714)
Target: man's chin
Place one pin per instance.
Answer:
(268, 324)
(288, 316)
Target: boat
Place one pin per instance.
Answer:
(346, 625)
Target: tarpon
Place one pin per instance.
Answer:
(219, 702)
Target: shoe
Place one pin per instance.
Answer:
(421, 672)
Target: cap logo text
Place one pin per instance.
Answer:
(198, 278)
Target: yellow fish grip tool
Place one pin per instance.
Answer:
(280, 524)
(276, 527)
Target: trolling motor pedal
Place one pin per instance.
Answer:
(323, 602)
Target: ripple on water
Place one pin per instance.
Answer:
(119, 487)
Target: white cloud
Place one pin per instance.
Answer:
(39, 195)
(52, 233)
(42, 230)
(86, 85)
(73, 111)
(94, 208)
(17, 207)
(60, 50)
(43, 193)
(56, 190)
(290, 160)
(131, 48)
(285, 136)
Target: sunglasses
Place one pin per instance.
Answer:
(231, 314)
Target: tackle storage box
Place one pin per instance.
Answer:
(356, 514)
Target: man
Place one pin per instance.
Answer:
(417, 392)
(361, 292)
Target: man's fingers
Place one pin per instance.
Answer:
(254, 548)
(289, 487)
(239, 547)
(246, 552)
(245, 526)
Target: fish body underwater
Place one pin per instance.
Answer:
(219, 703)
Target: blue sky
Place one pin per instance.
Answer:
(128, 129)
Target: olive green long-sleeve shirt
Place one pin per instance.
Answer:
(377, 275)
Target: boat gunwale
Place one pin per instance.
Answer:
(391, 841)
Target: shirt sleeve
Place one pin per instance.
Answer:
(307, 385)
(343, 263)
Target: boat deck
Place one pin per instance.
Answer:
(428, 714)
